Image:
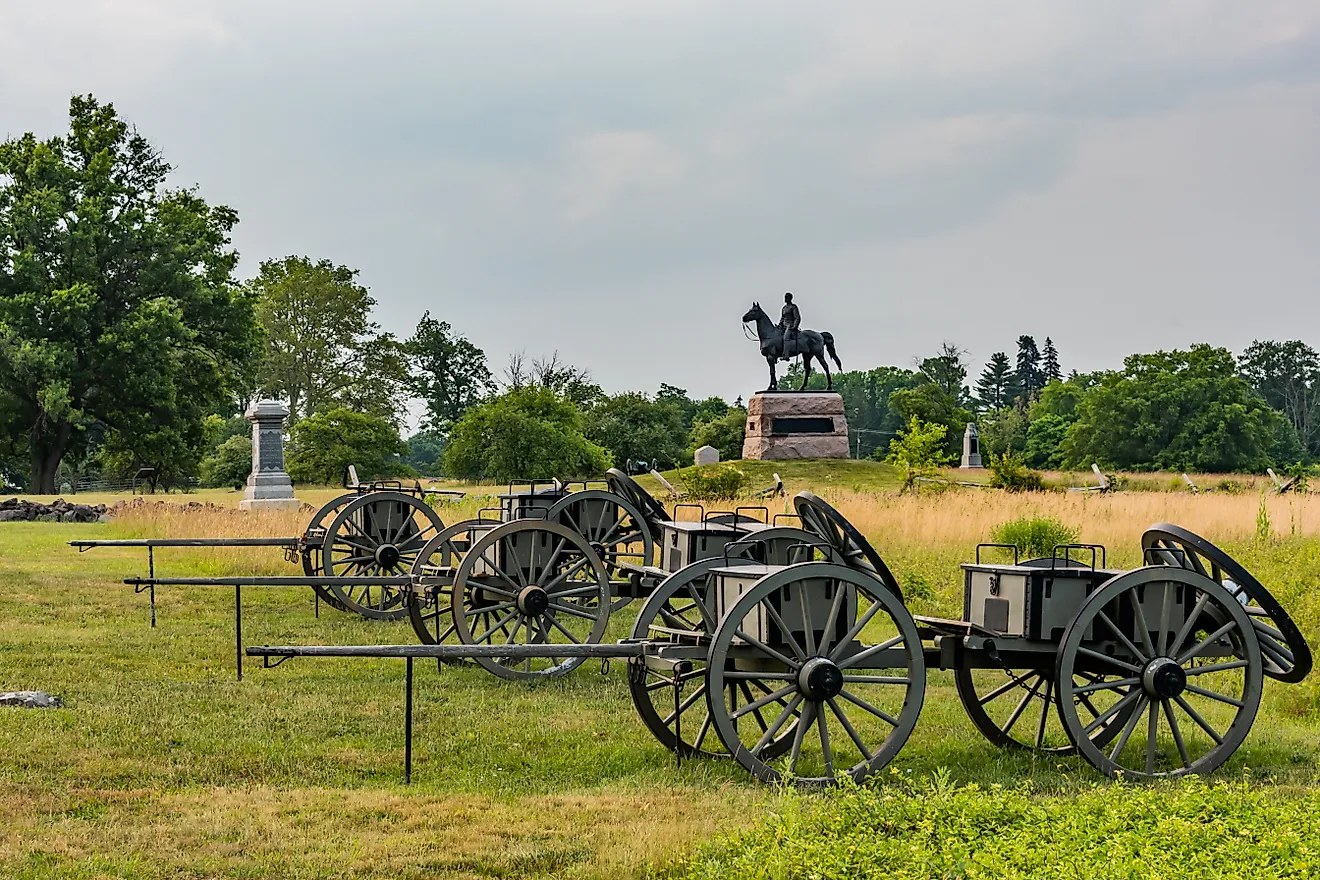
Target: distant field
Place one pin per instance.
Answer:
(163, 766)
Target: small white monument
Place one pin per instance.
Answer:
(971, 457)
(706, 455)
(268, 486)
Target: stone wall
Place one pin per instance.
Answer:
(59, 510)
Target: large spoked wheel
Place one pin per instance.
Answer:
(623, 485)
(378, 534)
(1191, 673)
(313, 539)
(834, 650)
(679, 613)
(1284, 651)
(831, 527)
(430, 609)
(614, 528)
(1016, 709)
(531, 582)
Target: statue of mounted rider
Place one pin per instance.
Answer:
(787, 340)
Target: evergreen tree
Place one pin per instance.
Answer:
(995, 388)
(1051, 365)
(1030, 378)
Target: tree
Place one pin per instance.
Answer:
(995, 388)
(229, 464)
(919, 449)
(327, 442)
(1029, 377)
(1050, 371)
(1179, 410)
(1044, 444)
(526, 433)
(1287, 375)
(426, 452)
(446, 371)
(872, 420)
(948, 371)
(117, 302)
(572, 383)
(632, 427)
(726, 433)
(322, 348)
(929, 403)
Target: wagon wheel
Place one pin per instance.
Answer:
(377, 534)
(428, 600)
(311, 544)
(1191, 684)
(832, 528)
(677, 612)
(1016, 709)
(864, 668)
(624, 485)
(613, 526)
(1284, 651)
(530, 582)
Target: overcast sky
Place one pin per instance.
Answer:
(619, 180)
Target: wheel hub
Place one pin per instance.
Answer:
(1163, 678)
(387, 556)
(533, 601)
(820, 678)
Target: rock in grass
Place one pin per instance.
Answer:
(31, 700)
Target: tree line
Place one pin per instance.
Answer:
(127, 341)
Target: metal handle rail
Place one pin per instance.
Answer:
(633, 651)
(1013, 547)
(1067, 556)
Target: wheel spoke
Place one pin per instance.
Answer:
(863, 656)
(1151, 730)
(825, 741)
(559, 626)
(776, 724)
(1206, 642)
(856, 628)
(1127, 643)
(760, 645)
(1112, 660)
(808, 630)
(1106, 685)
(1104, 717)
(1186, 629)
(1128, 728)
(1022, 705)
(488, 609)
(877, 679)
(879, 713)
(1177, 733)
(685, 705)
(839, 590)
(568, 609)
(565, 574)
(1164, 616)
(1044, 714)
(808, 714)
(1139, 619)
(1196, 716)
(769, 698)
(1215, 695)
(1215, 667)
(503, 621)
(739, 675)
(852, 731)
(1013, 682)
(783, 627)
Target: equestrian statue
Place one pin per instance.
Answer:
(784, 340)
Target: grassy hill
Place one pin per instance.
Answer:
(812, 474)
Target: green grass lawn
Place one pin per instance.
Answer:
(163, 766)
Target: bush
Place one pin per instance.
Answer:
(229, 464)
(725, 432)
(713, 482)
(325, 444)
(1230, 487)
(1034, 536)
(525, 433)
(919, 449)
(1009, 471)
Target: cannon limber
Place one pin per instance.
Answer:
(812, 667)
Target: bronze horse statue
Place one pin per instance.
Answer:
(810, 344)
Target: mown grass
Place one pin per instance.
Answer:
(163, 766)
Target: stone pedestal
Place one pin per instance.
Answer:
(971, 457)
(268, 486)
(801, 424)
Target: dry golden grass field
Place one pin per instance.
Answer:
(161, 765)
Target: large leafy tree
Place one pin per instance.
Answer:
(447, 372)
(1178, 410)
(948, 369)
(634, 428)
(322, 348)
(327, 442)
(117, 307)
(872, 420)
(527, 433)
(1287, 375)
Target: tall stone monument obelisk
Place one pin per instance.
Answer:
(268, 486)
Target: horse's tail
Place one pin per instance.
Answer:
(829, 346)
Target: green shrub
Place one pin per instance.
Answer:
(1034, 536)
(229, 464)
(325, 444)
(1009, 471)
(1230, 487)
(712, 482)
(724, 432)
